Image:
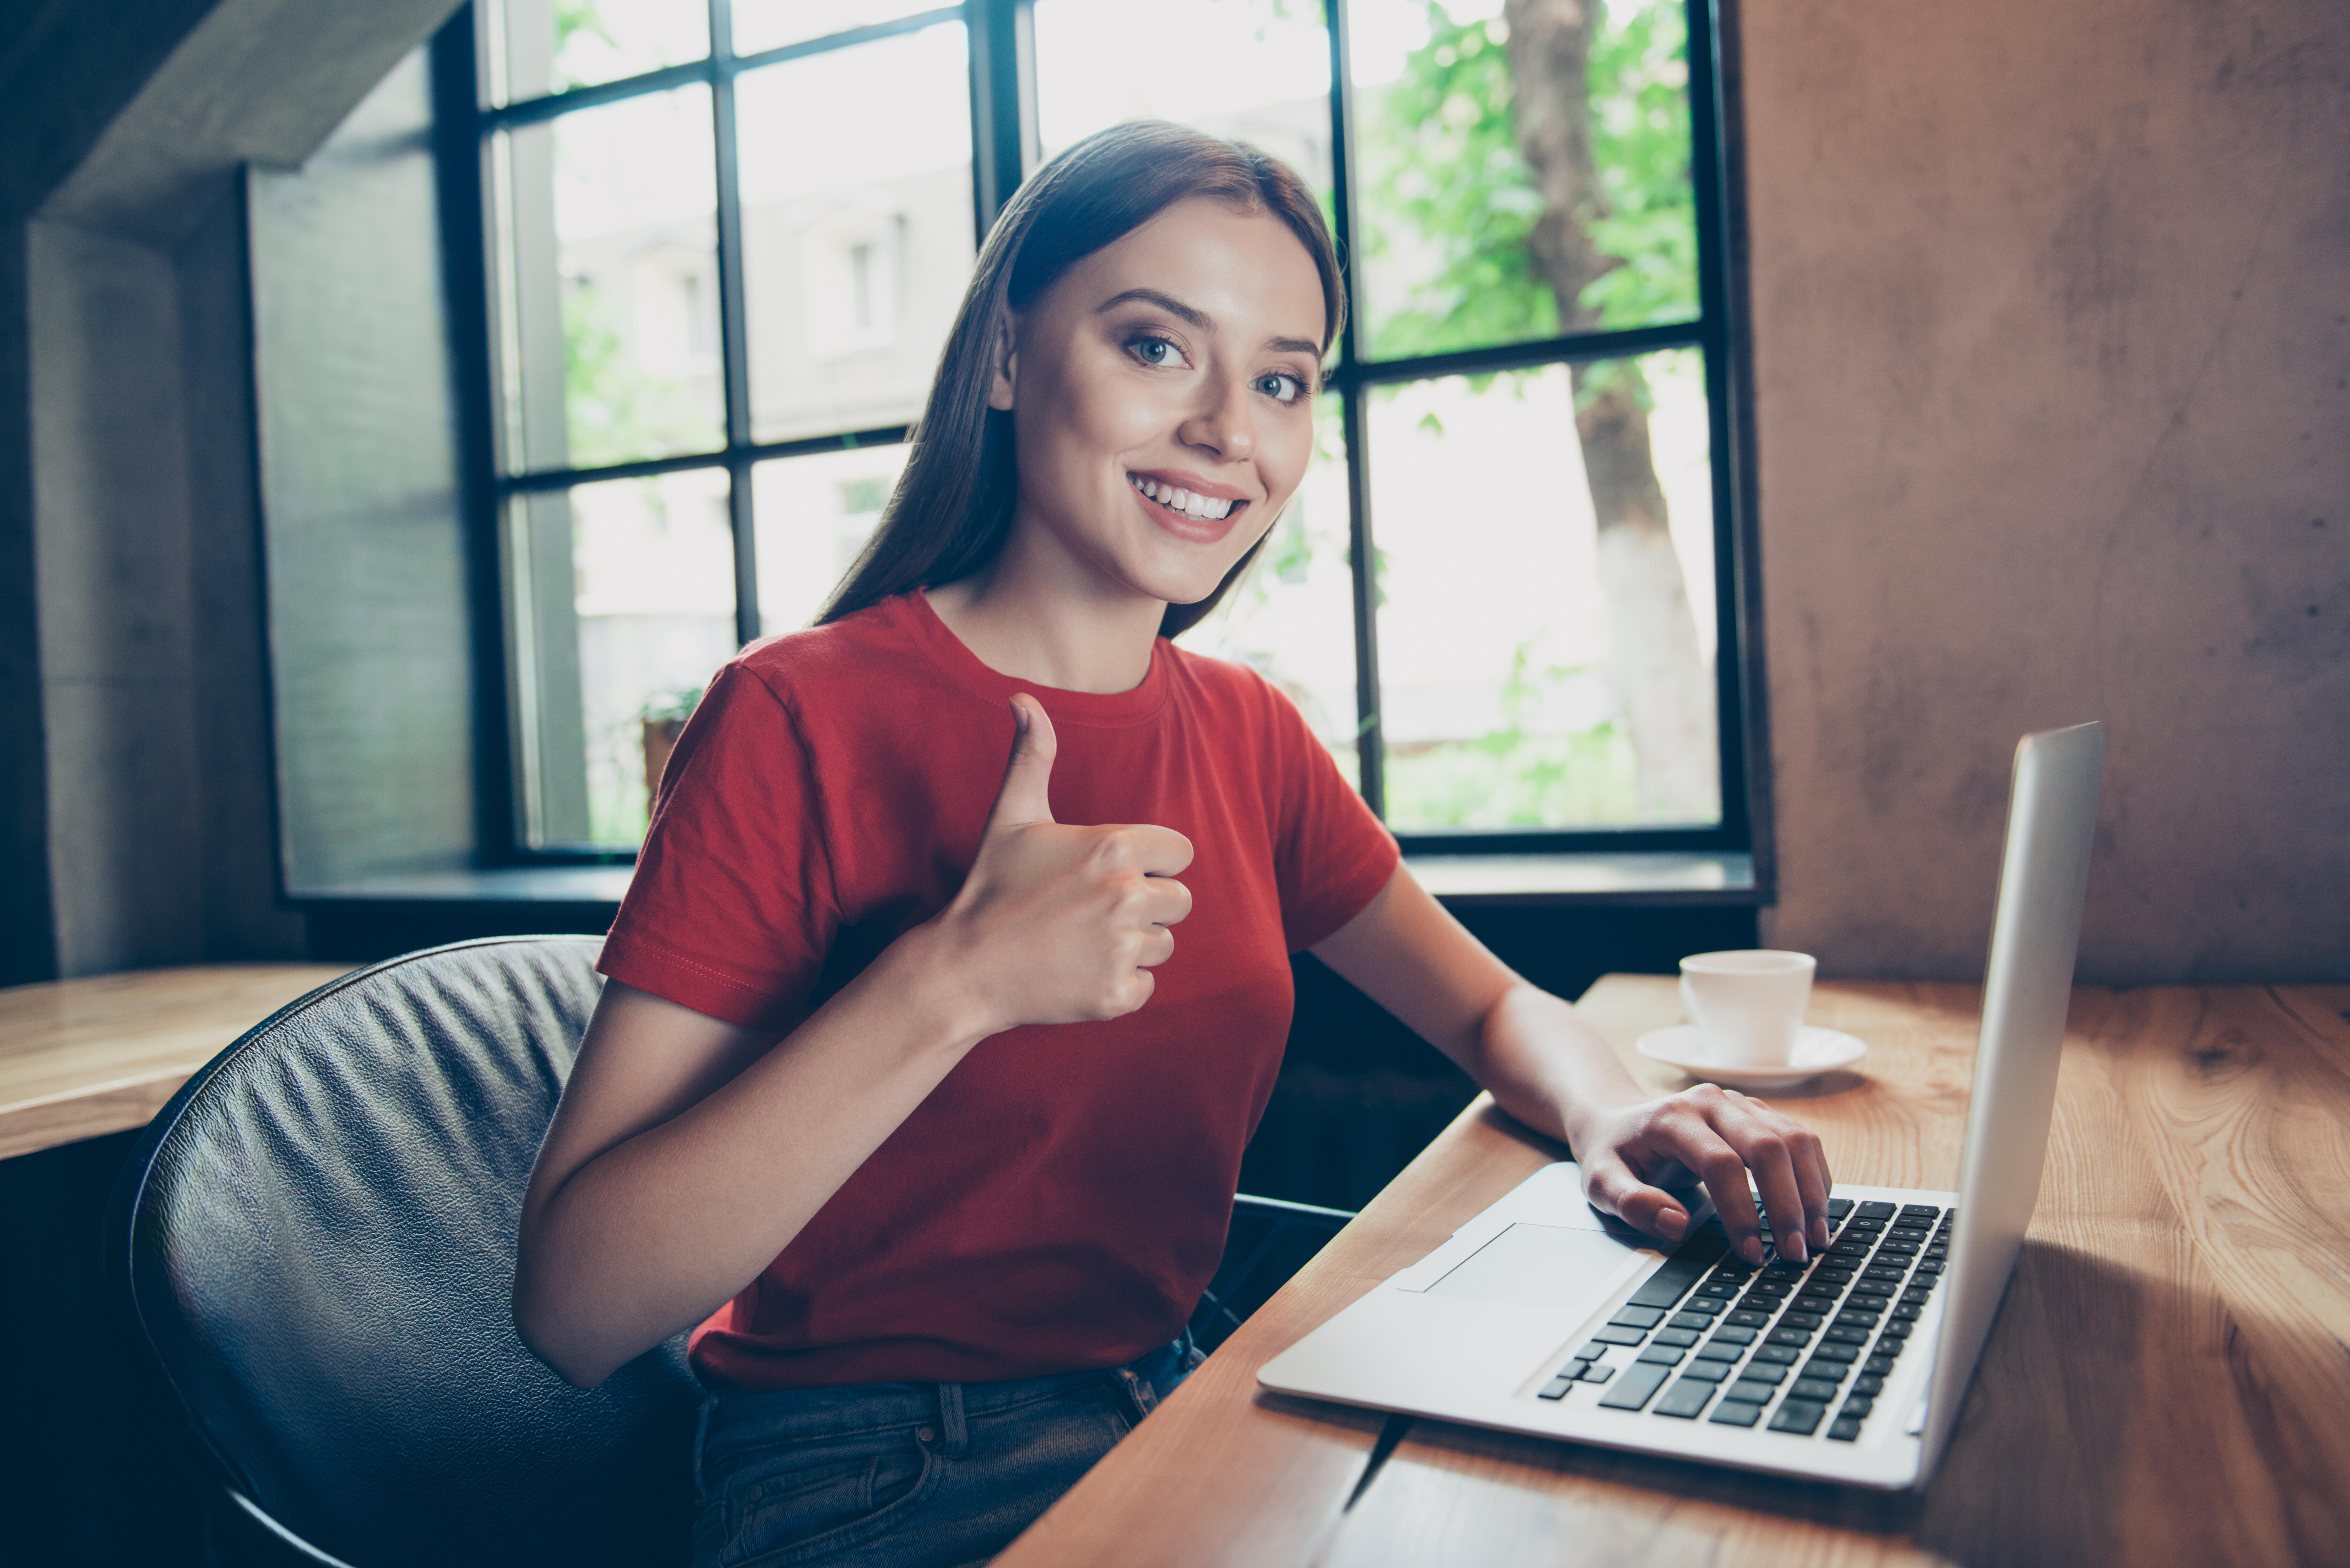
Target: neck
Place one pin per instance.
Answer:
(1069, 630)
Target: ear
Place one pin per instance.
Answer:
(1005, 365)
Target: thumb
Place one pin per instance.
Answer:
(1024, 797)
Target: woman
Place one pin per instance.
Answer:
(903, 1086)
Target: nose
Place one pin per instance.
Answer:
(1220, 422)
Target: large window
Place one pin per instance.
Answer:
(725, 243)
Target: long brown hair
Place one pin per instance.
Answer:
(952, 508)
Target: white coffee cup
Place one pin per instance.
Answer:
(1748, 1004)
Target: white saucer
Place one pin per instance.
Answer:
(1817, 1051)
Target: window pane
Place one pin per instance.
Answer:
(625, 605)
(815, 514)
(548, 45)
(1291, 618)
(857, 248)
(1255, 70)
(608, 219)
(761, 25)
(1547, 639)
(1452, 191)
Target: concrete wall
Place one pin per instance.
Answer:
(2051, 338)
(135, 803)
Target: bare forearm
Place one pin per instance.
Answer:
(1546, 1066)
(654, 1234)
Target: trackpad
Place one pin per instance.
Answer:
(1538, 1265)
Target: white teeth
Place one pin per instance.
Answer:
(1178, 499)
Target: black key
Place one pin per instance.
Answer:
(1875, 1211)
(1777, 1356)
(1681, 1338)
(1860, 1316)
(1844, 1429)
(1817, 1298)
(1639, 1382)
(1858, 1404)
(1750, 1393)
(1706, 1371)
(1930, 1210)
(1732, 1333)
(1795, 1336)
(1685, 1400)
(1829, 1274)
(1839, 1207)
(1896, 1329)
(1659, 1355)
(1720, 1290)
(1736, 1413)
(1812, 1389)
(1704, 1307)
(1696, 1320)
(1907, 1314)
(1848, 1334)
(1878, 1365)
(1613, 1335)
(1870, 1298)
(1677, 1274)
(1801, 1320)
(1763, 1372)
(1770, 1287)
(1895, 1247)
(1868, 1383)
(1884, 1275)
(1798, 1416)
(1832, 1371)
(1640, 1317)
(1918, 1294)
(1557, 1386)
(1716, 1350)
(1749, 1319)
(1835, 1353)
(1930, 1266)
(1595, 1372)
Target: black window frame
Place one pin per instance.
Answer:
(1004, 148)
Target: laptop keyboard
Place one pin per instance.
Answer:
(1782, 1345)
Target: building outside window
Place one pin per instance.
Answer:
(727, 242)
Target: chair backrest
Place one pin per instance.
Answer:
(319, 1237)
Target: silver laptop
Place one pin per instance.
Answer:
(1543, 1315)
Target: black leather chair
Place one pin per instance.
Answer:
(317, 1239)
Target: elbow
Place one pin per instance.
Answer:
(542, 1331)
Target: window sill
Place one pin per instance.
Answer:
(1686, 878)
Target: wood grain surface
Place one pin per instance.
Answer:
(79, 1058)
(2167, 1381)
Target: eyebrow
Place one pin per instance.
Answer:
(1192, 316)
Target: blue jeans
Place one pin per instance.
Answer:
(907, 1475)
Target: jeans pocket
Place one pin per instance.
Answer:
(796, 1507)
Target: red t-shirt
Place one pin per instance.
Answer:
(1060, 1199)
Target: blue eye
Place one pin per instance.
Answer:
(1281, 389)
(1154, 350)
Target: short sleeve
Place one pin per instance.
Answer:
(733, 908)
(1331, 854)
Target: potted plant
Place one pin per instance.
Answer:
(663, 719)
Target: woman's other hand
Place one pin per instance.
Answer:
(1059, 924)
(1719, 1135)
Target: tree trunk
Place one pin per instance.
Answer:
(1666, 690)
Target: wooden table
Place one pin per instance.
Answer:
(2168, 1381)
(83, 1057)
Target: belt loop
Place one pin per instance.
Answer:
(1139, 1392)
(950, 1428)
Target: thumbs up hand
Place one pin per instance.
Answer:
(1057, 924)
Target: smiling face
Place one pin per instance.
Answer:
(1161, 394)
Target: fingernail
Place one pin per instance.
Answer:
(1671, 1224)
(1794, 1250)
(1820, 1234)
(1751, 1250)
